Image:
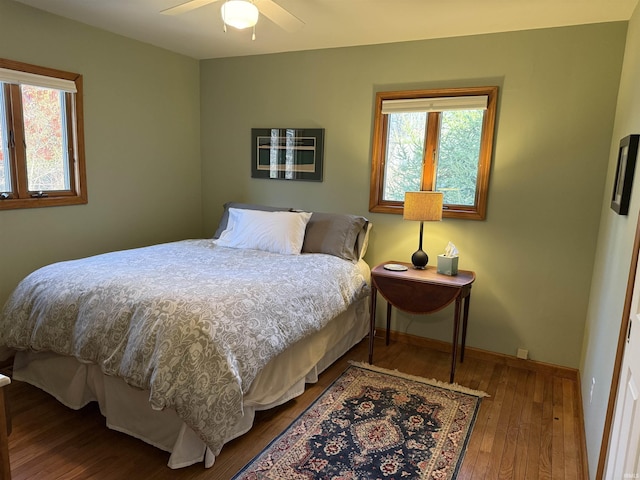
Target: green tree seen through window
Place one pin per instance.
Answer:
(458, 151)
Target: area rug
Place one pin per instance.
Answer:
(373, 423)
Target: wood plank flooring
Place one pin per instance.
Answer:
(529, 428)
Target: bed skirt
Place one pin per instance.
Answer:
(127, 409)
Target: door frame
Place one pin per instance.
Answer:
(622, 338)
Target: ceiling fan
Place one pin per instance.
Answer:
(268, 8)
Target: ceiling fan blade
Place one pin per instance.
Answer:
(186, 7)
(279, 15)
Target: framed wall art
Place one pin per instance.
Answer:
(287, 153)
(624, 174)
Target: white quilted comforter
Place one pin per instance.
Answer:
(189, 321)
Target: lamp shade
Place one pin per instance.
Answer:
(423, 206)
(239, 13)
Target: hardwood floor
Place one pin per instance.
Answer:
(529, 428)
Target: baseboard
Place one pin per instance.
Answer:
(510, 360)
(583, 435)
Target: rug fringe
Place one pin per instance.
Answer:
(429, 381)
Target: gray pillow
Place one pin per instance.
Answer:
(334, 234)
(246, 206)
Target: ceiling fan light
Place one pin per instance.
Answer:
(239, 13)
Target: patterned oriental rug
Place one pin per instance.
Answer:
(373, 423)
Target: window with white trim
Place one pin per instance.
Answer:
(41, 137)
(434, 140)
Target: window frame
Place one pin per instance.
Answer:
(475, 212)
(21, 197)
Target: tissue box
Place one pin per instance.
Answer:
(447, 265)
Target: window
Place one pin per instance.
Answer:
(41, 137)
(439, 140)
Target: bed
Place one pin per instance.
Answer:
(180, 343)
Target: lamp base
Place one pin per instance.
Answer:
(419, 260)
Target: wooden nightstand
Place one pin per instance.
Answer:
(422, 291)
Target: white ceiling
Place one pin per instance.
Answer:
(329, 23)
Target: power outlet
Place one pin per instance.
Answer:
(593, 386)
(522, 353)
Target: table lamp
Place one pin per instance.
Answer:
(425, 207)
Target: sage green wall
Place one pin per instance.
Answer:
(534, 253)
(142, 134)
(613, 257)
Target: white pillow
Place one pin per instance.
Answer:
(277, 232)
